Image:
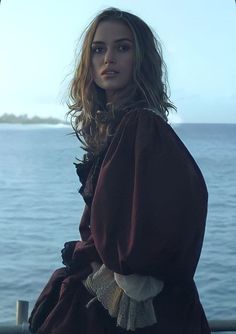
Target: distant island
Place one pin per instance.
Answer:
(24, 119)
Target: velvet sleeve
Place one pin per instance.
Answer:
(84, 227)
(85, 251)
(149, 209)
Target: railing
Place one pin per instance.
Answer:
(22, 309)
(21, 327)
(221, 325)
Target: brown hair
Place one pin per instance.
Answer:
(91, 117)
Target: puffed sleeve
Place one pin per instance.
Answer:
(85, 251)
(149, 209)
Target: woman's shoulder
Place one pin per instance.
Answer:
(149, 128)
(150, 113)
(143, 118)
(146, 122)
(142, 112)
(144, 130)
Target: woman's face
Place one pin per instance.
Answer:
(112, 56)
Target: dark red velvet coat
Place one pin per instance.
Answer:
(145, 213)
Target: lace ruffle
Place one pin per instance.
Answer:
(130, 314)
(139, 287)
(88, 172)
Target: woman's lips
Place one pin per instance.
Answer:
(109, 71)
(110, 74)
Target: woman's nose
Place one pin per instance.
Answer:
(109, 57)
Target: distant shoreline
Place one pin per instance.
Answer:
(36, 120)
(25, 120)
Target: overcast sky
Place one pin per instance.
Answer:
(38, 43)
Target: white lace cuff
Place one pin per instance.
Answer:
(139, 287)
(130, 313)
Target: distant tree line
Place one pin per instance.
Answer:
(24, 119)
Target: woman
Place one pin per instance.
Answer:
(145, 198)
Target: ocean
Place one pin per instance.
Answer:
(41, 209)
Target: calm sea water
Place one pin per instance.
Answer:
(41, 209)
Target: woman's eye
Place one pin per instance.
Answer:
(123, 48)
(102, 50)
(97, 49)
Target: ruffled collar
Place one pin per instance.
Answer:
(88, 172)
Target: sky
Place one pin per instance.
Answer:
(39, 43)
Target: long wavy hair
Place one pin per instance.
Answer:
(92, 118)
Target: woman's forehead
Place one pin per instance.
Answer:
(110, 31)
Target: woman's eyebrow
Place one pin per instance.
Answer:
(116, 41)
